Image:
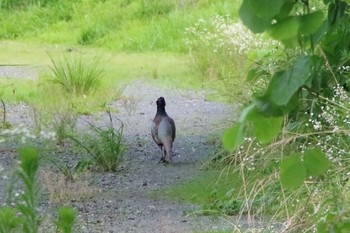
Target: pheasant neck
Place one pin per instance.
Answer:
(161, 110)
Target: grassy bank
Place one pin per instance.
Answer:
(114, 25)
(119, 68)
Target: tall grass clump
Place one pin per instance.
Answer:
(220, 48)
(76, 75)
(104, 145)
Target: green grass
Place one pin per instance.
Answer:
(204, 189)
(120, 68)
(77, 76)
(114, 24)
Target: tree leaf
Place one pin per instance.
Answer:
(317, 36)
(286, 83)
(316, 162)
(310, 23)
(269, 108)
(266, 9)
(285, 28)
(265, 128)
(293, 172)
(255, 23)
(291, 42)
(286, 9)
(233, 137)
(245, 112)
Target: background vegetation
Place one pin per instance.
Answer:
(287, 158)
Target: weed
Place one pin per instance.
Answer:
(21, 215)
(27, 173)
(9, 221)
(66, 219)
(220, 49)
(130, 104)
(77, 76)
(62, 190)
(63, 124)
(5, 124)
(105, 146)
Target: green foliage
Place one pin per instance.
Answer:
(9, 221)
(233, 137)
(220, 48)
(104, 145)
(10, 4)
(293, 173)
(285, 85)
(305, 93)
(77, 76)
(138, 25)
(265, 128)
(211, 189)
(296, 168)
(22, 215)
(316, 162)
(27, 173)
(66, 219)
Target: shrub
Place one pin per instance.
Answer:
(76, 75)
(220, 49)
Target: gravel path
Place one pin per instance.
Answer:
(196, 119)
(123, 200)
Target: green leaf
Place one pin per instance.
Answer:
(252, 75)
(285, 84)
(269, 108)
(293, 172)
(310, 23)
(317, 36)
(316, 162)
(285, 28)
(286, 9)
(255, 23)
(291, 42)
(245, 112)
(266, 9)
(265, 128)
(233, 137)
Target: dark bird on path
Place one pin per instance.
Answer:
(163, 131)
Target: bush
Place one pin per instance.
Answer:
(291, 143)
